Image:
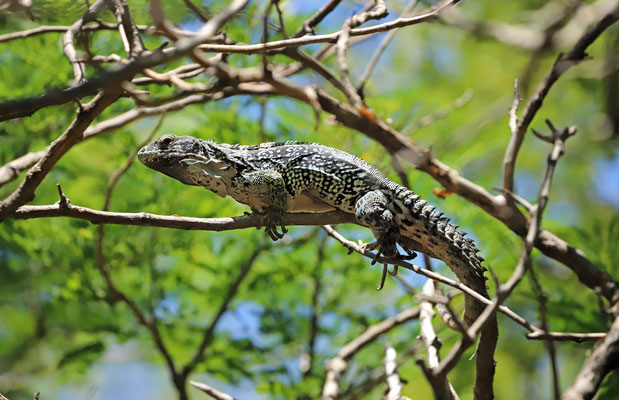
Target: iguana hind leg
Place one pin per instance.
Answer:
(372, 210)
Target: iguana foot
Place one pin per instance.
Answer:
(272, 220)
(388, 248)
(389, 244)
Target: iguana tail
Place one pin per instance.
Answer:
(423, 228)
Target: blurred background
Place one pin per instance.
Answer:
(271, 315)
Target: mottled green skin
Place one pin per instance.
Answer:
(274, 178)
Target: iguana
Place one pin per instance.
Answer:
(276, 178)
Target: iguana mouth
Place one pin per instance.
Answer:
(161, 158)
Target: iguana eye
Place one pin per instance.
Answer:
(165, 141)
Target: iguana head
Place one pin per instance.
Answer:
(190, 160)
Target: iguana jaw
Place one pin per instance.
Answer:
(171, 163)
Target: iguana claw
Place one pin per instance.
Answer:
(272, 220)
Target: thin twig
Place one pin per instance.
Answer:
(211, 391)
(379, 11)
(68, 40)
(314, 327)
(381, 48)
(352, 246)
(311, 22)
(564, 62)
(197, 10)
(542, 299)
(567, 336)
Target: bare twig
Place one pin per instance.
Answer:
(509, 162)
(564, 62)
(314, 327)
(91, 27)
(310, 23)
(211, 391)
(11, 170)
(69, 38)
(542, 299)
(422, 16)
(439, 114)
(374, 378)
(127, 29)
(566, 336)
(197, 10)
(381, 48)
(352, 246)
(379, 11)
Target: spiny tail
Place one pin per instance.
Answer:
(423, 228)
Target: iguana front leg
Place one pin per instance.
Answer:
(267, 196)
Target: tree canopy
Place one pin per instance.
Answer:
(464, 102)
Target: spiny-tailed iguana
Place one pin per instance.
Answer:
(275, 178)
